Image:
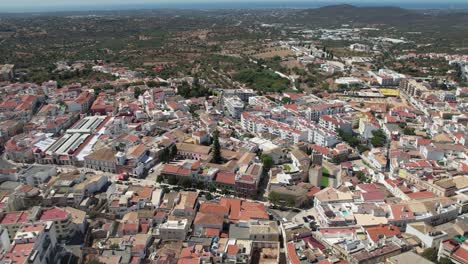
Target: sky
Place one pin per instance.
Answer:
(62, 5)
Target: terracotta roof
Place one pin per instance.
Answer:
(461, 254)
(204, 150)
(103, 154)
(292, 253)
(214, 208)
(232, 250)
(206, 219)
(137, 151)
(226, 177)
(212, 232)
(376, 232)
(401, 212)
(53, 214)
(14, 217)
(420, 195)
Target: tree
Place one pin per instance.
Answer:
(209, 196)
(95, 261)
(267, 161)
(378, 138)
(185, 183)
(114, 246)
(173, 151)
(274, 198)
(362, 177)
(172, 180)
(362, 148)
(165, 155)
(348, 138)
(290, 202)
(286, 100)
(430, 254)
(137, 92)
(409, 131)
(445, 261)
(216, 148)
(211, 188)
(159, 179)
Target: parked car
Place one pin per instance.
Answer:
(305, 219)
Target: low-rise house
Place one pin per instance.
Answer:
(174, 230)
(206, 220)
(429, 236)
(194, 152)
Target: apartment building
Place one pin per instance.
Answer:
(257, 124)
(234, 106)
(34, 243)
(316, 111)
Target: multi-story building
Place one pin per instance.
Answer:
(12, 221)
(7, 72)
(359, 47)
(175, 230)
(318, 134)
(194, 152)
(335, 123)
(103, 159)
(456, 251)
(262, 102)
(247, 180)
(316, 111)
(34, 243)
(62, 219)
(243, 93)
(386, 77)
(82, 103)
(257, 124)
(412, 88)
(263, 233)
(234, 106)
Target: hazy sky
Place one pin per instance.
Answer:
(27, 5)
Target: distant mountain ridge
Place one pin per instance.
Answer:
(345, 13)
(371, 14)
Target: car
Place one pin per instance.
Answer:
(305, 219)
(311, 217)
(313, 226)
(152, 170)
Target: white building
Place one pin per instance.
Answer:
(348, 80)
(174, 230)
(234, 106)
(34, 243)
(256, 124)
(359, 47)
(316, 111)
(428, 236)
(318, 135)
(335, 123)
(386, 77)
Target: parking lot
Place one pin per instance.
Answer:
(280, 215)
(299, 218)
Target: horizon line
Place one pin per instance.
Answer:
(206, 5)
